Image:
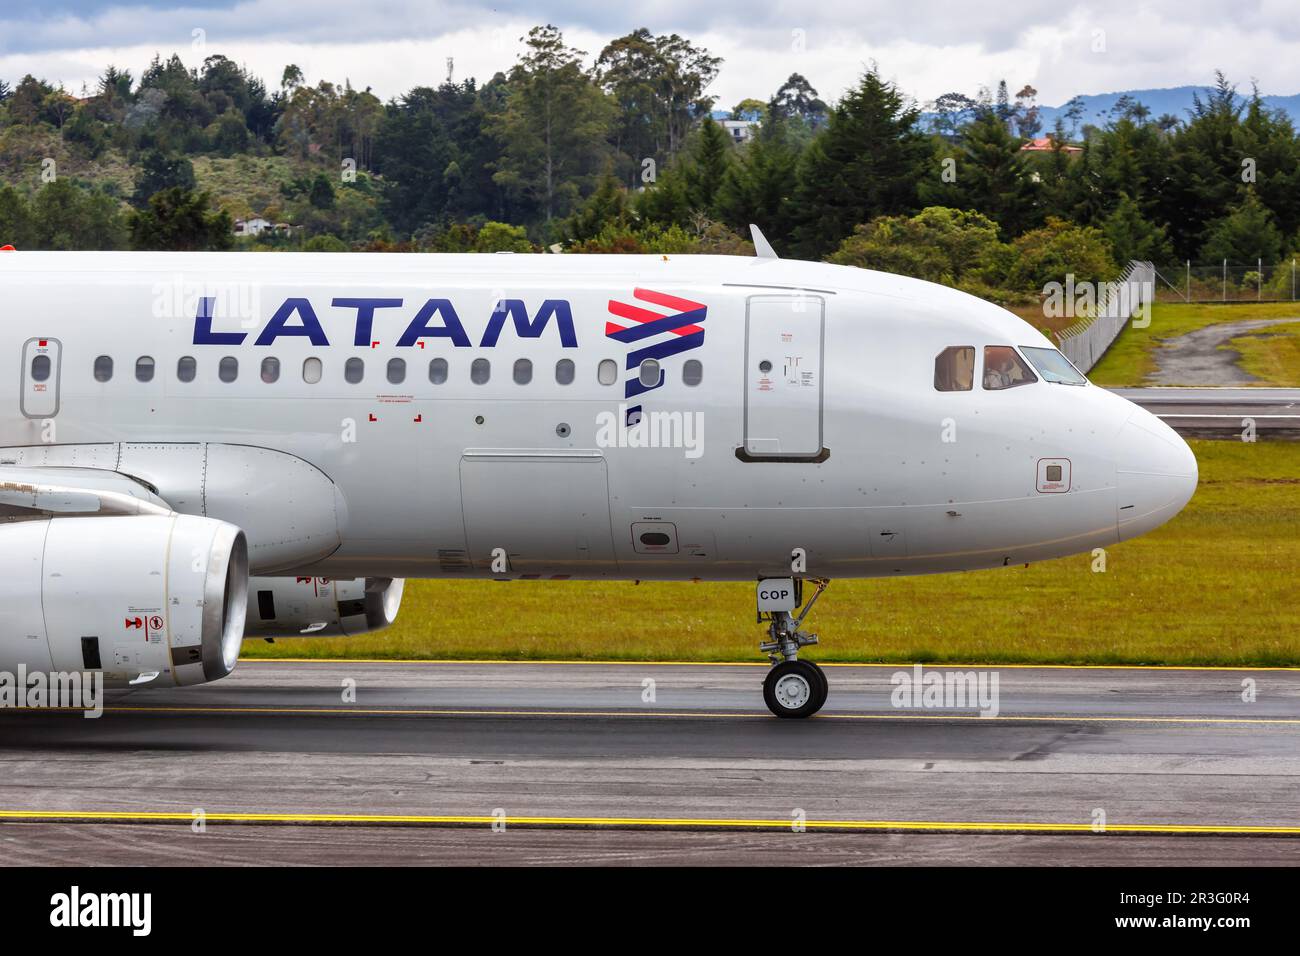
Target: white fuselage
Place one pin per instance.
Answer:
(811, 421)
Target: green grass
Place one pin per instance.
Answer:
(1130, 359)
(1272, 355)
(1214, 586)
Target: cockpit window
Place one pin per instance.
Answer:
(954, 369)
(1053, 366)
(1004, 368)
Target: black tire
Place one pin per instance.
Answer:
(826, 687)
(793, 689)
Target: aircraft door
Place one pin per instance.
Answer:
(783, 377)
(42, 359)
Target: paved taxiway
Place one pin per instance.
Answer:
(1184, 769)
(1217, 412)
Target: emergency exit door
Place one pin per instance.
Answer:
(40, 378)
(783, 377)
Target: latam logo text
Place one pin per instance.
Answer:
(432, 319)
(34, 690)
(75, 908)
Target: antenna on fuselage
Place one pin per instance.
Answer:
(762, 248)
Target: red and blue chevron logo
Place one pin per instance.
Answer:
(664, 333)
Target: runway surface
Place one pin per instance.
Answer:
(658, 763)
(1219, 412)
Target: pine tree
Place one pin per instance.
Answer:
(1246, 234)
(1133, 236)
(706, 166)
(865, 163)
(993, 177)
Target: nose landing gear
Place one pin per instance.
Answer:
(793, 688)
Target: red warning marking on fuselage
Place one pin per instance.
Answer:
(134, 622)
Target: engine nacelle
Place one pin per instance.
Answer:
(321, 607)
(140, 598)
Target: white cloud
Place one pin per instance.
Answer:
(929, 47)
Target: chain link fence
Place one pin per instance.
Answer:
(1085, 342)
(1227, 281)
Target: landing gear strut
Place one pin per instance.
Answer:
(793, 688)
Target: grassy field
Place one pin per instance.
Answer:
(1130, 359)
(1271, 355)
(1217, 585)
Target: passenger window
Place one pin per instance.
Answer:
(186, 368)
(1004, 368)
(523, 371)
(103, 369)
(228, 370)
(954, 369)
(438, 371)
(40, 368)
(311, 371)
(270, 370)
(396, 371)
(692, 372)
(480, 371)
(564, 372)
(354, 370)
(144, 369)
(649, 373)
(607, 372)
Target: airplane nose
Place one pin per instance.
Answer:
(1155, 476)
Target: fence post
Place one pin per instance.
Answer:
(1259, 279)
(1293, 280)
(1225, 280)
(1189, 280)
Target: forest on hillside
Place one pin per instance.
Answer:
(623, 151)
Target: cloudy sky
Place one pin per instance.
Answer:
(1061, 47)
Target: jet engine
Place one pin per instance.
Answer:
(139, 597)
(321, 607)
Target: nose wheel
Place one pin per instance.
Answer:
(795, 689)
(792, 688)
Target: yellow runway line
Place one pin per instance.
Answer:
(939, 826)
(904, 664)
(662, 714)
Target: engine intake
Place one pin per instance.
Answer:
(321, 607)
(136, 597)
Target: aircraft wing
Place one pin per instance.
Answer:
(32, 493)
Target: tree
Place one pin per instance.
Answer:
(66, 216)
(502, 237)
(707, 166)
(657, 84)
(437, 156)
(321, 195)
(1133, 236)
(992, 176)
(16, 227)
(181, 220)
(552, 132)
(1056, 250)
(1246, 234)
(938, 244)
(758, 187)
(866, 163)
(797, 100)
(158, 172)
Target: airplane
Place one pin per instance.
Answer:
(201, 447)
